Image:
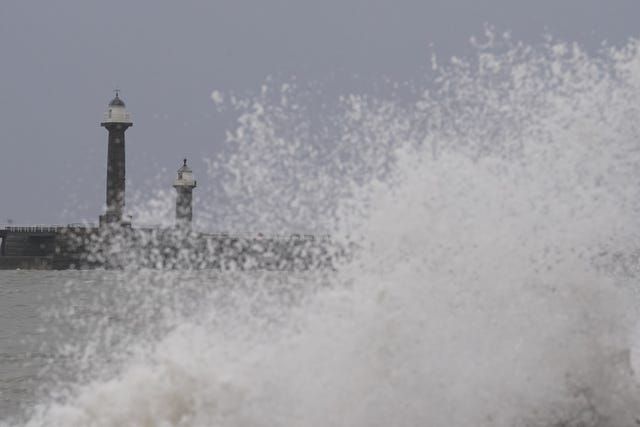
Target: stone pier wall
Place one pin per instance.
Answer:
(116, 248)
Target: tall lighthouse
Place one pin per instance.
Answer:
(184, 185)
(116, 120)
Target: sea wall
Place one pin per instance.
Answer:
(168, 248)
(25, 263)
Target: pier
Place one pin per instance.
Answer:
(40, 246)
(88, 247)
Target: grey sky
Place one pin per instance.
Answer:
(60, 61)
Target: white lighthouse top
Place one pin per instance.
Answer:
(117, 112)
(185, 177)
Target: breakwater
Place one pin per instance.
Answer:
(87, 247)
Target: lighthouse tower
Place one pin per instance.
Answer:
(116, 120)
(184, 185)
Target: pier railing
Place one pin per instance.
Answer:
(276, 237)
(41, 228)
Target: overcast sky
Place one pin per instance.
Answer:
(60, 61)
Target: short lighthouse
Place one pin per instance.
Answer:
(116, 120)
(184, 185)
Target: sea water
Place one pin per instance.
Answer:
(490, 215)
